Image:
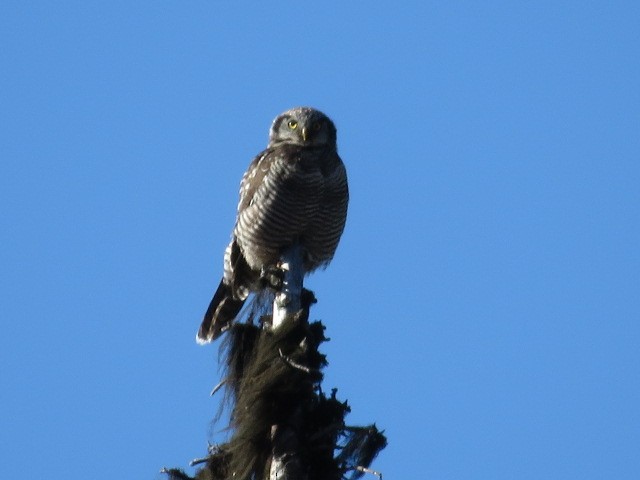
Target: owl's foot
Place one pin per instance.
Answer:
(272, 277)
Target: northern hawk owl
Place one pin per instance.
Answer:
(294, 191)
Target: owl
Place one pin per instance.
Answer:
(294, 191)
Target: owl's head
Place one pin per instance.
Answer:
(303, 126)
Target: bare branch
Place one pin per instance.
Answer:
(218, 387)
(367, 470)
(197, 461)
(294, 364)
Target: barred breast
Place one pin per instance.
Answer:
(288, 195)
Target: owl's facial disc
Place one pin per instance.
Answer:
(303, 126)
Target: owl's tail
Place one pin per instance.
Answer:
(222, 310)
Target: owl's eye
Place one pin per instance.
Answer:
(292, 124)
(316, 126)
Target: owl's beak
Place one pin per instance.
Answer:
(305, 134)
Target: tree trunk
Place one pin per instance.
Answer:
(285, 457)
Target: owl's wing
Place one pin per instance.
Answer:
(253, 178)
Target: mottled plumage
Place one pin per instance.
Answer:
(294, 191)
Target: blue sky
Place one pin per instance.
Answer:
(483, 306)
